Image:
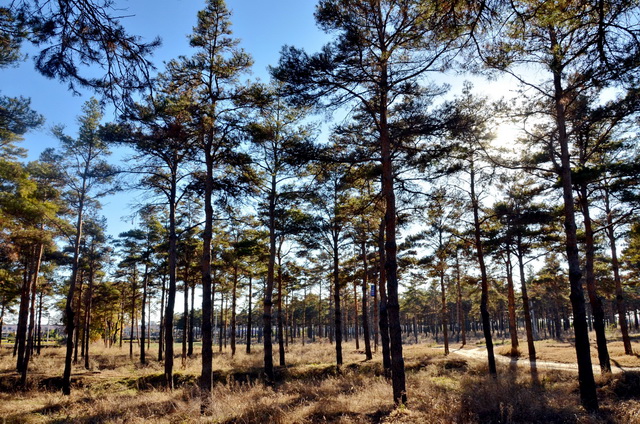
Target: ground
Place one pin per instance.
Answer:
(453, 389)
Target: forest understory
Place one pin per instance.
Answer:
(442, 389)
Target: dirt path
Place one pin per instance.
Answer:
(481, 355)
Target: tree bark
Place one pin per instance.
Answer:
(234, 294)
(87, 321)
(596, 302)
(161, 332)
(528, 322)
(280, 322)
(192, 314)
(337, 301)
(32, 315)
(69, 315)
(511, 299)
(23, 315)
(171, 293)
(383, 316)
(391, 265)
(365, 308)
(268, 294)
(585, 371)
(249, 314)
(445, 322)
(484, 312)
(615, 266)
(145, 283)
(461, 320)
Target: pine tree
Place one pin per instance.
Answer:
(87, 177)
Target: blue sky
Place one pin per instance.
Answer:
(262, 26)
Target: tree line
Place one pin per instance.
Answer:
(407, 218)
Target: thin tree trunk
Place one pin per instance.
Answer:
(391, 265)
(134, 292)
(461, 320)
(32, 315)
(69, 315)
(161, 329)
(87, 321)
(145, 283)
(280, 317)
(77, 317)
(171, 293)
(336, 301)
(445, 313)
(383, 316)
(585, 371)
(596, 302)
(222, 325)
(185, 315)
(484, 312)
(355, 309)
(528, 321)
(39, 331)
(365, 308)
(249, 314)
(20, 344)
(615, 266)
(234, 294)
(268, 294)
(192, 315)
(511, 299)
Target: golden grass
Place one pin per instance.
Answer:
(564, 351)
(310, 390)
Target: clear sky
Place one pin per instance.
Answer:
(262, 26)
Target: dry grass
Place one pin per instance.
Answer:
(310, 390)
(564, 351)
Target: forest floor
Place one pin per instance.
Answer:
(452, 389)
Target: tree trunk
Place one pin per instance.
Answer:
(234, 294)
(336, 301)
(268, 294)
(77, 317)
(365, 308)
(134, 292)
(192, 314)
(615, 266)
(484, 312)
(280, 317)
(32, 315)
(391, 266)
(461, 320)
(585, 371)
(445, 313)
(39, 331)
(249, 316)
(145, 283)
(161, 332)
(596, 302)
(383, 316)
(171, 293)
(355, 310)
(69, 315)
(87, 321)
(528, 322)
(20, 344)
(511, 299)
(185, 315)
